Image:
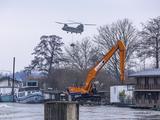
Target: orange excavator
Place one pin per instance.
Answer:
(87, 91)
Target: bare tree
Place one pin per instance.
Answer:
(150, 40)
(46, 54)
(82, 56)
(108, 36)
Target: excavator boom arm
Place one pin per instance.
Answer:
(93, 72)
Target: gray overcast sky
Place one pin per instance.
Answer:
(23, 22)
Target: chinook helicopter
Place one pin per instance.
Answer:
(78, 29)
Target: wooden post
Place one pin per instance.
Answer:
(13, 79)
(61, 110)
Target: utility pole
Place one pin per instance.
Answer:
(13, 78)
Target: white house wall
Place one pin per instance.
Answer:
(6, 90)
(3, 83)
(6, 83)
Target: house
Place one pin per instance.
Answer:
(6, 85)
(121, 94)
(147, 88)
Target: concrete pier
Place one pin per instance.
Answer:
(61, 110)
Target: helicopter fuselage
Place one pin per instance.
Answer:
(78, 29)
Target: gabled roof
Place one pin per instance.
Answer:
(147, 73)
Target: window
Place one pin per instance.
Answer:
(155, 97)
(29, 92)
(21, 94)
(138, 81)
(146, 96)
(129, 88)
(146, 82)
(32, 83)
(155, 81)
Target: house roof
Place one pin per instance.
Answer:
(147, 73)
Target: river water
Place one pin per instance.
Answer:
(15, 111)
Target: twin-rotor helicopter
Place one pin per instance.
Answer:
(70, 29)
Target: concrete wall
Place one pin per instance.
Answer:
(61, 110)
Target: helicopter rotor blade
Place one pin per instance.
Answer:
(65, 23)
(90, 24)
(81, 23)
(60, 23)
(73, 22)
